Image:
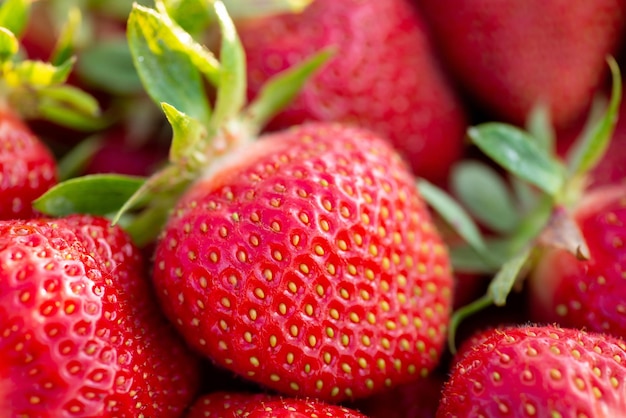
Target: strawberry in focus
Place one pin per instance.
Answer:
(308, 262)
(81, 333)
(542, 371)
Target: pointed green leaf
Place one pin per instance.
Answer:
(539, 126)
(193, 16)
(589, 149)
(231, 90)
(9, 45)
(246, 9)
(165, 68)
(281, 89)
(41, 74)
(188, 133)
(502, 284)
(71, 97)
(14, 15)
(64, 48)
(486, 196)
(465, 258)
(61, 114)
(517, 152)
(100, 194)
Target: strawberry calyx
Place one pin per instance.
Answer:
(548, 189)
(178, 73)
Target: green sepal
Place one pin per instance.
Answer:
(188, 133)
(167, 72)
(504, 280)
(280, 90)
(40, 74)
(193, 16)
(14, 15)
(246, 9)
(588, 150)
(485, 195)
(231, 89)
(9, 45)
(465, 259)
(64, 48)
(540, 128)
(100, 194)
(519, 153)
(72, 97)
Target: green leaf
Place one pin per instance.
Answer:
(588, 150)
(517, 152)
(465, 258)
(164, 66)
(101, 194)
(74, 162)
(9, 45)
(71, 97)
(455, 216)
(64, 48)
(41, 74)
(63, 115)
(539, 126)
(193, 16)
(246, 9)
(281, 89)
(14, 15)
(502, 284)
(188, 133)
(486, 196)
(231, 89)
(108, 65)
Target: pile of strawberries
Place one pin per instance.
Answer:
(281, 208)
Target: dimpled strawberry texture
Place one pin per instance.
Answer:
(384, 76)
(535, 371)
(76, 337)
(314, 269)
(27, 168)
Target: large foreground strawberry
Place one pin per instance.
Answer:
(80, 333)
(384, 75)
(537, 371)
(510, 56)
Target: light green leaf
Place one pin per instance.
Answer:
(502, 284)
(246, 9)
(465, 259)
(485, 194)
(64, 48)
(14, 15)
(539, 126)
(193, 16)
(281, 89)
(39, 74)
(101, 194)
(188, 133)
(71, 97)
(588, 150)
(9, 45)
(517, 152)
(164, 66)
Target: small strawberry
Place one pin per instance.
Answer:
(384, 76)
(510, 56)
(224, 404)
(81, 334)
(542, 371)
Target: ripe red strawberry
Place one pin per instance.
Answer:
(508, 57)
(384, 76)
(222, 404)
(27, 167)
(80, 335)
(309, 263)
(541, 371)
(587, 294)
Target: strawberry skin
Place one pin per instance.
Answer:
(27, 167)
(587, 294)
(76, 337)
(309, 264)
(542, 371)
(508, 56)
(384, 76)
(224, 404)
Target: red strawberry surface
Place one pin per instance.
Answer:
(309, 263)
(542, 371)
(79, 333)
(509, 56)
(225, 404)
(587, 294)
(27, 167)
(384, 76)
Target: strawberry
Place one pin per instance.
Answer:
(384, 76)
(221, 404)
(27, 167)
(509, 57)
(310, 264)
(542, 371)
(589, 293)
(80, 333)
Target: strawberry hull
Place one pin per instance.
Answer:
(313, 269)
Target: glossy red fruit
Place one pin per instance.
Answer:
(27, 167)
(309, 263)
(587, 294)
(510, 56)
(384, 76)
(541, 371)
(79, 333)
(224, 404)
